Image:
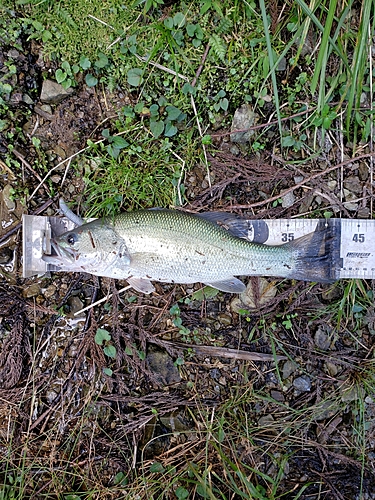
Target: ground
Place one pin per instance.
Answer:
(186, 393)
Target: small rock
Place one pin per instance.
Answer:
(161, 364)
(363, 172)
(332, 185)
(59, 151)
(235, 150)
(244, 118)
(363, 213)
(53, 92)
(349, 205)
(224, 319)
(278, 396)
(75, 304)
(322, 340)
(302, 383)
(8, 197)
(31, 291)
(27, 99)
(328, 408)
(46, 108)
(266, 420)
(351, 392)
(6, 255)
(298, 178)
(13, 53)
(282, 64)
(289, 368)
(288, 200)
(331, 368)
(353, 184)
(50, 291)
(215, 373)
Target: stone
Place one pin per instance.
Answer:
(31, 291)
(353, 184)
(244, 118)
(322, 340)
(53, 92)
(161, 364)
(50, 291)
(288, 368)
(7, 195)
(302, 383)
(288, 200)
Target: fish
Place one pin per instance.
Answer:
(172, 246)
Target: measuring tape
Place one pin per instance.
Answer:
(352, 241)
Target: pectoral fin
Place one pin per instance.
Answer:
(142, 285)
(232, 285)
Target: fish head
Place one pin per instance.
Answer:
(93, 248)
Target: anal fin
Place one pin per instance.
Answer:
(142, 285)
(231, 285)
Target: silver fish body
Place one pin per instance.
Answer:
(176, 247)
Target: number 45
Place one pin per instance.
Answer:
(359, 238)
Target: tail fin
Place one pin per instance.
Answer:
(317, 254)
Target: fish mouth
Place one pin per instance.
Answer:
(60, 256)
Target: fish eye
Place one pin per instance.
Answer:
(72, 238)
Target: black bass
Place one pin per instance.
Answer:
(177, 247)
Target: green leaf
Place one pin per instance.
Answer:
(188, 89)
(108, 372)
(206, 140)
(102, 62)
(157, 128)
(65, 66)
(157, 467)
(170, 130)
(224, 103)
(288, 141)
(168, 23)
(38, 26)
(60, 75)
(110, 351)
(119, 142)
(179, 20)
(120, 479)
(84, 62)
(154, 110)
(199, 33)
(190, 29)
(102, 335)
(181, 493)
(47, 35)
(91, 80)
(128, 111)
(162, 101)
(134, 77)
(173, 112)
(128, 351)
(139, 107)
(106, 133)
(67, 83)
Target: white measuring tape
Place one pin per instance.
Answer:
(352, 245)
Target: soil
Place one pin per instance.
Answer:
(300, 409)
